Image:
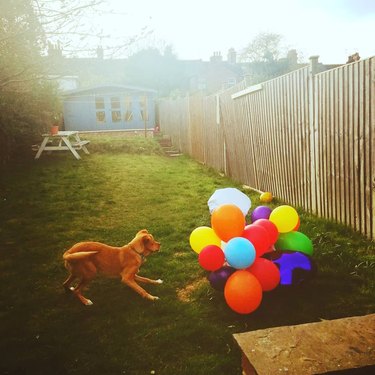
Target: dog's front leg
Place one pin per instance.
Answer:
(129, 280)
(145, 280)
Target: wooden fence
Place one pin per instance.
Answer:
(308, 137)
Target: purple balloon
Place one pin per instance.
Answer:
(218, 278)
(260, 212)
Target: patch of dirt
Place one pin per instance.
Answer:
(184, 294)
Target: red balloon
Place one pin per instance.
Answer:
(211, 258)
(227, 221)
(266, 272)
(243, 292)
(259, 237)
(270, 227)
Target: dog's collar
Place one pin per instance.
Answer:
(140, 254)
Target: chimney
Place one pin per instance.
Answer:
(216, 57)
(232, 56)
(292, 57)
(54, 50)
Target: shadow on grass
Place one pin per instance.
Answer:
(47, 206)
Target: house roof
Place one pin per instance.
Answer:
(108, 87)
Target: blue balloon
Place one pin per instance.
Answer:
(239, 253)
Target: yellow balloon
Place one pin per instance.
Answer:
(266, 197)
(285, 218)
(203, 236)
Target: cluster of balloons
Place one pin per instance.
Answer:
(246, 260)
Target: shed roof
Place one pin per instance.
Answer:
(108, 87)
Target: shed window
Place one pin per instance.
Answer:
(128, 109)
(115, 108)
(100, 113)
(99, 103)
(116, 116)
(100, 116)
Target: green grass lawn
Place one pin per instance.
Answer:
(48, 205)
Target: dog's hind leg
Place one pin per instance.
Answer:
(68, 282)
(78, 292)
(85, 273)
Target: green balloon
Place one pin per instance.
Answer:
(295, 241)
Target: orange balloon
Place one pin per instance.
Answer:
(228, 221)
(243, 292)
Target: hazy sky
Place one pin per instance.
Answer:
(332, 29)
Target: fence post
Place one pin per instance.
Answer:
(313, 70)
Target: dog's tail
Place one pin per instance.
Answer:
(79, 255)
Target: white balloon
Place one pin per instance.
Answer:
(229, 196)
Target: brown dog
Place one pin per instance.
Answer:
(87, 259)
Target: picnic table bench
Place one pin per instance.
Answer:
(63, 140)
(329, 346)
(79, 145)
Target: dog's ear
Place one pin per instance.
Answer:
(143, 231)
(145, 238)
(147, 241)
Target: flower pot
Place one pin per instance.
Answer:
(54, 129)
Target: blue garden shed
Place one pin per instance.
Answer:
(110, 107)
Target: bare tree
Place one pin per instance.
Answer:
(73, 25)
(25, 28)
(264, 47)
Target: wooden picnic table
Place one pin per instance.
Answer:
(63, 140)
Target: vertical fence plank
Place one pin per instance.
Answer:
(361, 149)
(370, 147)
(321, 170)
(348, 150)
(338, 146)
(306, 146)
(332, 146)
(359, 162)
(351, 133)
(313, 134)
(342, 135)
(371, 179)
